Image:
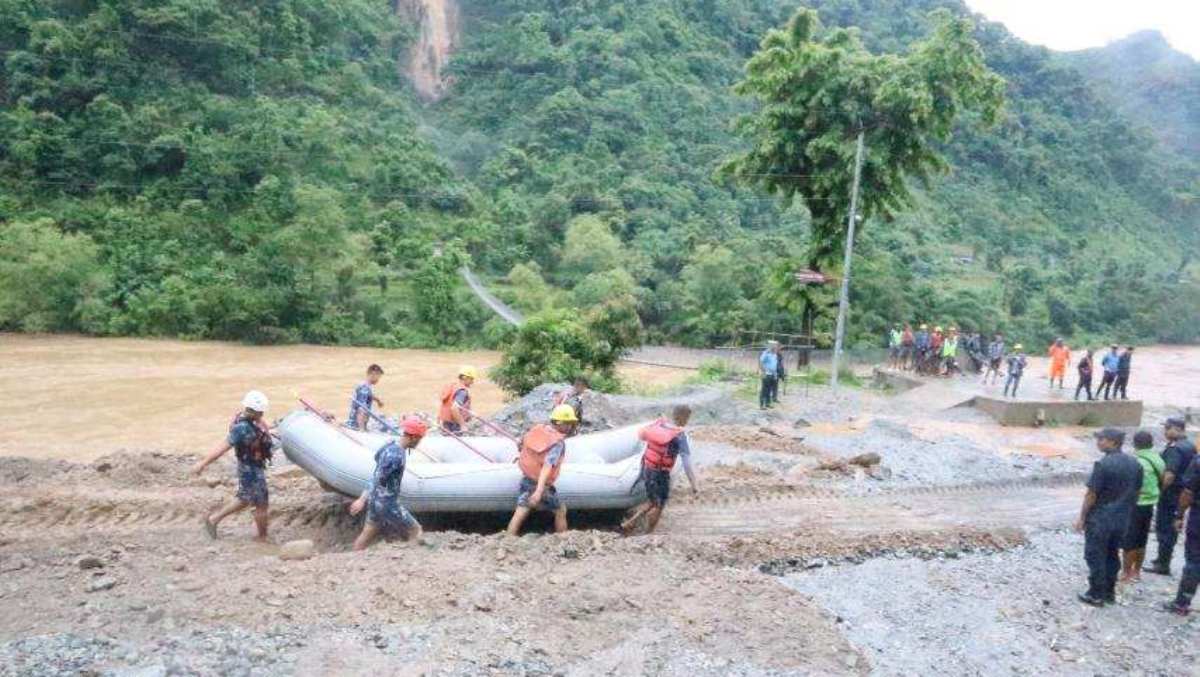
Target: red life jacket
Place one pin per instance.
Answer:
(446, 412)
(534, 447)
(658, 437)
(260, 447)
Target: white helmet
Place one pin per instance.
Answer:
(255, 400)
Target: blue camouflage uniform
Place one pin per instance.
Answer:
(252, 473)
(363, 398)
(383, 503)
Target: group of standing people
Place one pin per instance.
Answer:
(936, 353)
(1127, 496)
(541, 452)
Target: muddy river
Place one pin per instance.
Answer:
(81, 397)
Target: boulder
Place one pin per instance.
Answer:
(297, 550)
(866, 460)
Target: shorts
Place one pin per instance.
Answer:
(252, 484)
(658, 486)
(894, 351)
(995, 362)
(1138, 533)
(1058, 370)
(550, 501)
(389, 516)
(451, 426)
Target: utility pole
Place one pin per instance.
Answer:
(844, 297)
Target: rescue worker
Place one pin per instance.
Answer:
(1109, 363)
(768, 367)
(921, 342)
(1112, 492)
(573, 396)
(385, 515)
(950, 352)
(1182, 604)
(1134, 548)
(363, 398)
(454, 412)
(542, 452)
(1016, 367)
(936, 339)
(907, 341)
(894, 336)
(250, 438)
(995, 356)
(1085, 368)
(1177, 456)
(1060, 356)
(665, 442)
(1124, 364)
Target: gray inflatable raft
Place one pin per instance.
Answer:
(600, 471)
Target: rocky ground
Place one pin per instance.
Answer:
(848, 534)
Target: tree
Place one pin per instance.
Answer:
(554, 346)
(817, 93)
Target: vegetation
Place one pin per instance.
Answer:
(258, 171)
(557, 346)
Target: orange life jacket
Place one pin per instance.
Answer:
(534, 447)
(260, 447)
(446, 413)
(658, 437)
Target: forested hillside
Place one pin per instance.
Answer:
(261, 171)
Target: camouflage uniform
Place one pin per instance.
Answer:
(364, 398)
(550, 501)
(252, 474)
(383, 504)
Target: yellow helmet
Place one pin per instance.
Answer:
(564, 413)
(937, 328)
(1018, 347)
(467, 371)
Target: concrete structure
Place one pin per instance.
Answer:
(896, 380)
(1118, 413)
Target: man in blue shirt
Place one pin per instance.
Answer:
(382, 498)
(363, 398)
(1110, 362)
(768, 366)
(1016, 367)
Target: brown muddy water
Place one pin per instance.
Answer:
(78, 398)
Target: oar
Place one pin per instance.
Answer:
(489, 424)
(466, 444)
(325, 418)
(393, 430)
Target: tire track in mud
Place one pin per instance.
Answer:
(735, 510)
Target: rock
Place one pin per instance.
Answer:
(878, 472)
(89, 562)
(100, 584)
(570, 552)
(103, 466)
(801, 423)
(155, 615)
(297, 550)
(866, 460)
(834, 464)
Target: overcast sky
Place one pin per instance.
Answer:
(1077, 24)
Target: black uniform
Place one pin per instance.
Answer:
(1191, 547)
(1178, 457)
(1116, 480)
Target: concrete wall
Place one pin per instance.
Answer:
(1122, 413)
(896, 380)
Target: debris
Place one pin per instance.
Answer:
(100, 584)
(89, 562)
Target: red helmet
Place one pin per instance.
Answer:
(414, 426)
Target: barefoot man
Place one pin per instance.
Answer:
(251, 441)
(385, 514)
(542, 451)
(665, 442)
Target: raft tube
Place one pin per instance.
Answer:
(601, 470)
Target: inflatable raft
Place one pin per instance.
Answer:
(600, 471)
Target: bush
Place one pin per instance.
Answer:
(555, 346)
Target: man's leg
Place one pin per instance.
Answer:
(764, 392)
(237, 505)
(627, 525)
(1093, 554)
(1088, 386)
(262, 517)
(1164, 530)
(1112, 563)
(1016, 384)
(1190, 579)
(366, 537)
(652, 518)
(518, 518)
(560, 519)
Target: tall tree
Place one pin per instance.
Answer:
(817, 91)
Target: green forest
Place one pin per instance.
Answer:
(262, 171)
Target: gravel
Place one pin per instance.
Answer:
(1013, 612)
